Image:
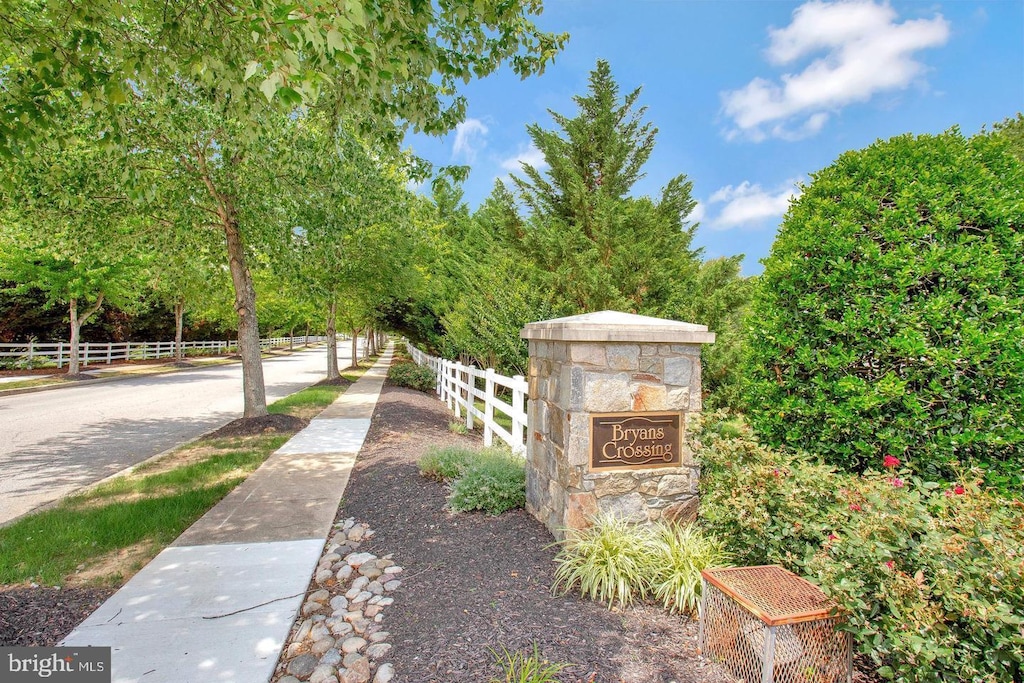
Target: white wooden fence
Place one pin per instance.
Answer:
(59, 353)
(460, 386)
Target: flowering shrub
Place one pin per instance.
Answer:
(931, 576)
(409, 374)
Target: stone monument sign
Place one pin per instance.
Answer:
(610, 394)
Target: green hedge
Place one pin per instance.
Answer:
(888, 317)
(932, 576)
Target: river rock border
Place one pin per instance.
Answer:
(338, 636)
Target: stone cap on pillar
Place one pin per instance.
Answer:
(614, 326)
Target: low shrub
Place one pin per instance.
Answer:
(517, 667)
(413, 376)
(930, 575)
(445, 464)
(493, 481)
(615, 561)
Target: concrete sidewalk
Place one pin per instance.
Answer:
(218, 604)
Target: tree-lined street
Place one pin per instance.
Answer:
(55, 442)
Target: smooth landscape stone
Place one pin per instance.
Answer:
(302, 666)
(323, 575)
(351, 593)
(392, 585)
(363, 596)
(322, 674)
(384, 674)
(339, 602)
(321, 646)
(372, 610)
(359, 671)
(384, 602)
(379, 637)
(289, 679)
(310, 608)
(392, 569)
(360, 625)
(354, 644)
(345, 572)
(319, 632)
(331, 658)
(353, 615)
(331, 557)
(378, 650)
(294, 650)
(360, 583)
(341, 628)
(359, 559)
(348, 524)
(356, 533)
(319, 596)
(303, 631)
(350, 659)
(375, 587)
(370, 571)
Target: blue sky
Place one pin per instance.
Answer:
(752, 96)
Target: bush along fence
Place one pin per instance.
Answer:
(462, 386)
(40, 354)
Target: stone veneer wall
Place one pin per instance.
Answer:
(569, 380)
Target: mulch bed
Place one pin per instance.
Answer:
(476, 584)
(254, 426)
(41, 616)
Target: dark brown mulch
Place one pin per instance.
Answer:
(336, 382)
(475, 584)
(41, 616)
(252, 426)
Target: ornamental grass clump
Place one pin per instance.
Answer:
(445, 464)
(683, 551)
(518, 667)
(610, 562)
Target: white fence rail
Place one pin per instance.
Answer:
(461, 386)
(32, 354)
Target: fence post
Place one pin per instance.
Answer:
(60, 355)
(518, 426)
(31, 348)
(457, 369)
(488, 407)
(470, 396)
(110, 352)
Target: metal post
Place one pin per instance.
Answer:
(768, 658)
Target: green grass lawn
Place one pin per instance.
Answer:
(110, 531)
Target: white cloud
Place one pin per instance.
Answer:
(748, 204)
(469, 139)
(528, 154)
(866, 52)
(697, 213)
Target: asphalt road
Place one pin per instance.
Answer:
(55, 442)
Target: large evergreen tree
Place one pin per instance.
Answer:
(594, 245)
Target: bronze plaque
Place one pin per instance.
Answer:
(633, 441)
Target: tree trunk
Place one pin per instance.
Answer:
(307, 333)
(355, 347)
(371, 343)
(74, 367)
(291, 338)
(332, 340)
(253, 389)
(76, 327)
(179, 323)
